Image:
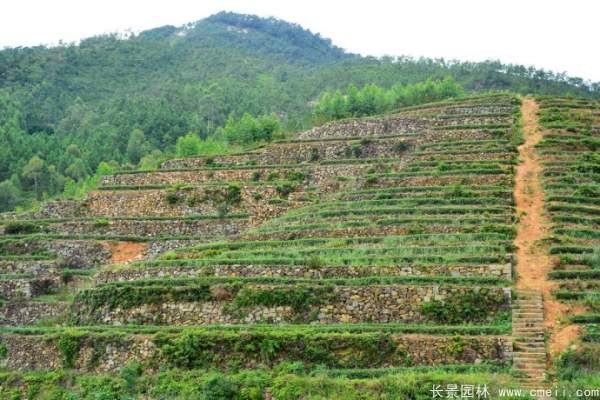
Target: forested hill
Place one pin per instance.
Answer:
(111, 98)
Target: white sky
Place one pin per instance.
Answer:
(549, 34)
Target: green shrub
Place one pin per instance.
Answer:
(371, 180)
(130, 373)
(314, 154)
(315, 262)
(233, 195)
(69, 344)
(172, 197)
(297, 176)
(193, 200)
(101, 222)
(285, 189)
(273, 176)
(400, 147)
(257, 196)
(354, 151)
(472, 306)
(16, 228)
(576, 362)
(217, 386)
(3, 351)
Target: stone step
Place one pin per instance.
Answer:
(530, 324)
(521, 312)
(532, 358)
(527, 332)
(527, 310)
(529, 363)
(531, 369)
(529, 353)
(528, 302)
(536, 379)
(528, 349)
(531, 339)
(537, 320)
(523, 324)
(522, 294)
(532, 377)
(528, 299)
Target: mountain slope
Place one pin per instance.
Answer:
(77, 105)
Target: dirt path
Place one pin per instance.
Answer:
(533, 260)
(124, 252)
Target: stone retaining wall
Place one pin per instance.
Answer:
(503, 271)
(34, 267)
(298, 152)
(347, 304)
(48, 210)
(316, 175)
(429, 180)
(23, 313)
(109, 353)
(394, 124)
(27, 288)
(361, 231)
(210, 228)
(194, 201)
(78, 253)
(481, 109)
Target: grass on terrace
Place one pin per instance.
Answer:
(571, 178)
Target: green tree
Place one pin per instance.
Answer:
(249, 129)
(136, 145)
(34, 171)
(77, 170)
(10, 195)
(353, 100)
(188, 145)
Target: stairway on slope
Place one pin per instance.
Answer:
(529, 357)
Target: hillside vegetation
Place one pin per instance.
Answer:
(367, 258)
(66, 109)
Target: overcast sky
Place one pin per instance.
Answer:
(549, 34)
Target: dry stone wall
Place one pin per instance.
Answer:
(395, 124)
(503, 271)
(109, 353)
(23, 312)
(316, 175)
(78, 253)
(481, 109)
(344, 304)
(27, 288)
(186, 202)
(33, 267)
(209, 228)
(48, 210)
(308, 151)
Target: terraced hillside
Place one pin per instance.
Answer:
(369, 257)
(571, 177)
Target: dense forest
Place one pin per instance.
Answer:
(71, 112)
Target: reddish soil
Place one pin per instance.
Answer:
(533, 260)
(124, 252)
